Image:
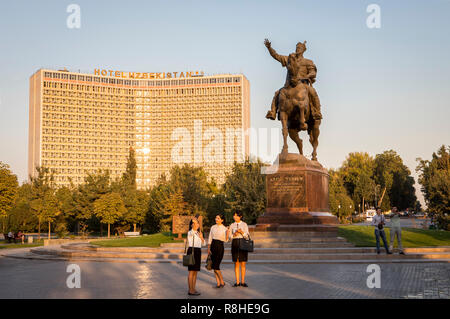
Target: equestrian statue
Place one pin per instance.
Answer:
(297, 103)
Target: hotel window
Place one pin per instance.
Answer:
(73, 77)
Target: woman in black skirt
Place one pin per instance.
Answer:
(195, 241)
(239, 229)
(217, 236)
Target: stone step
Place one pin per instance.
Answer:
(394, 259)
(305, 234)
(260, 255)
(273, 250)
(298, 240)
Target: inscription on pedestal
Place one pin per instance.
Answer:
(286, 190)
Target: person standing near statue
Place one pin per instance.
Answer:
(396, 230)
(195, 242)
(379, 221)
(217, 236)
(239, 229)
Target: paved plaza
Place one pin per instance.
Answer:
(23, 278)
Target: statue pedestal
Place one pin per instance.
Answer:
(297, 194)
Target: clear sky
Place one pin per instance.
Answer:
(386, 88)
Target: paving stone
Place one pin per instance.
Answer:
(24, 278)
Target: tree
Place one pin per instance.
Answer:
(41, 185)
(395, 178)
(245, 190)
(434, 176)
(8, 191)
(357, 175)
(341, 204)
(129, 177)
(136, 204)
(109, 208)
(196, 188)
(21, 216)
(51, 209)
(157, 198)
(174, 205)
(95, 185)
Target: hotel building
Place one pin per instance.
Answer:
(85, 122)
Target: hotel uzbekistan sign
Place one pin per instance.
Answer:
(148, 75)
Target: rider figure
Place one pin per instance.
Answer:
(300, 70)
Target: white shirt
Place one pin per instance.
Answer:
(378, 219)
(194, 239)
(242, 226)
(218, 232)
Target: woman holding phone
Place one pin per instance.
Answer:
(239, 229)
(217, 236)
(195, 241)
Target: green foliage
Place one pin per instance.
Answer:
(366, 179)
(95, 185)
(390, 172)
(109, 208)
(129, 177)
(434, 176)
(21, 216)
(173, 205)
(357, 174)
(8, 191)
(341, 204)
(42, 196)
(195, 187)
(136, 204)
(245, 191)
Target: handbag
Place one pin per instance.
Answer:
(246, 244)
(208, 262)
(188, 259)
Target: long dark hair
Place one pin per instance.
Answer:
(222, 217)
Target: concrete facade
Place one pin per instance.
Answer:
(84, 122)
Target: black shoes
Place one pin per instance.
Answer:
(402, 253)
(194, 294)
(244, 285)
(389, 253)
(240, 285)
(236, 285)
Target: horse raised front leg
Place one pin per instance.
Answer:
(284, 118)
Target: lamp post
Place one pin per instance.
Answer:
(339, 211)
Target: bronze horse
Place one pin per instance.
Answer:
(294, 109)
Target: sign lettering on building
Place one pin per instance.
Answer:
(148, 75)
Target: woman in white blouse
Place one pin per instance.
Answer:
(239, 229)
(217, 236)
(195, 241)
